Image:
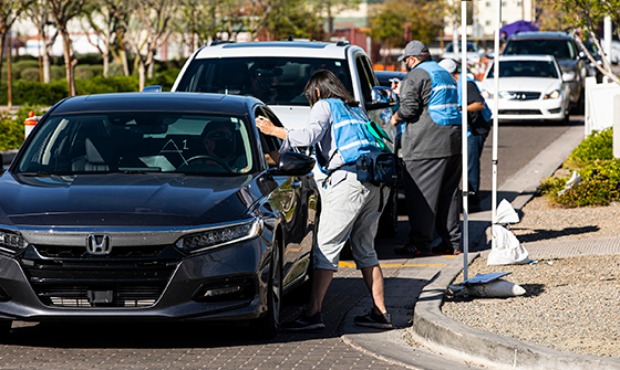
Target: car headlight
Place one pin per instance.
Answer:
(555, 94)
(219, 236)
(11, 242)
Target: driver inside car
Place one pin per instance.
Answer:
(223, 146)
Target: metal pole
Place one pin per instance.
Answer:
(498, 16)
(463, 79)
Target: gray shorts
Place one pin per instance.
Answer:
(349, 208)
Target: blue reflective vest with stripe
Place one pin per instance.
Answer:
(443, 104)
(486, 112)
(349, 132)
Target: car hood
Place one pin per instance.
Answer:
(124, 200)
(543, 85)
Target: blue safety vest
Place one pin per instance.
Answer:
(351, 137)
(486, 112)
(442, 105)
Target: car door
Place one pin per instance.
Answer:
(297, 200)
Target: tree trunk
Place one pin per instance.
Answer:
(124, 61)
(2, 39)
(47, 48)
(9, 78)
(106, 62)
(70, 62)
(46, 66)
(141, 75)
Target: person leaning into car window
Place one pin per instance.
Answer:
(349, 209)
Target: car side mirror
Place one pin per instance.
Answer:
(293, 164)
(382, 97)
(568, 76)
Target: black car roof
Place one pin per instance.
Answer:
(541, 35)
(163, 101)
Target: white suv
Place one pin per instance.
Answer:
(277, 72)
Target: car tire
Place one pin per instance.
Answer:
(5, 330)
(579, 108)
(267, 326)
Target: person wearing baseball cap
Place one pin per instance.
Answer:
(414, 49)
(479, 125)
(431, 150)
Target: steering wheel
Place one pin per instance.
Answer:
(205, 159)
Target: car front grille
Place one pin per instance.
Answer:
(128, 277)
(521, 95)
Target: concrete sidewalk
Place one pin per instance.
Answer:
(435, 342)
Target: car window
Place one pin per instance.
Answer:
(140, 142)
(366, 77)
(526, 68)
(270, 144)
(560, 48)
(274, 80)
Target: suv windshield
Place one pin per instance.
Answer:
(139, 142)
(275, 81)
(560, 48)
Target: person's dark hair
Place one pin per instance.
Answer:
(329, 86)
(424, 57)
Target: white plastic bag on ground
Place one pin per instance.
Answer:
(507, 249)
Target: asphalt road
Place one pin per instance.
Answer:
(203, 346)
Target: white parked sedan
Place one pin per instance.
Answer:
(531, 87)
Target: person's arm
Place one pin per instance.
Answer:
(475, 101)
(318, 124)
(412, 97)
(267, 127)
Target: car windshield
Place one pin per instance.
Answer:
(276, 81)
(526, 68)
(560, 48)
(139, 142)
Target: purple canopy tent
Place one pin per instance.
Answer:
(518, 26)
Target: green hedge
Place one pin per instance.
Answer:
(599, 171)
(30, 91)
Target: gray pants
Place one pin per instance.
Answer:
(431, 192)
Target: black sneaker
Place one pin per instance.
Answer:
(375, 320)
(305, 323)
(412, 251)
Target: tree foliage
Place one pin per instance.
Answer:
(396, 22)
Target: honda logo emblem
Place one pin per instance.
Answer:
(98, 244)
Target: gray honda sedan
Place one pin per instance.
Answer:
(154, 206)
